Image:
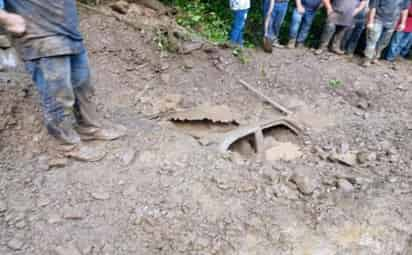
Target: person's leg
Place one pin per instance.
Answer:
(239, 21)
(268, 9)
(337, 41)
(91, 125)
(279, 14)
(2, 4)
(327, 34)
(407, 45)
(373, 35)
(308, 18)
(394, 48)
(384, 41)
(355, 34)
(52, 78)
(294, 28)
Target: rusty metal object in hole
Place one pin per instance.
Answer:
(257, 131)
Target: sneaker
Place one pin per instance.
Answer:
(276, 44)
(319, 51)
(291, 44)
(267, 45)
(64, 132)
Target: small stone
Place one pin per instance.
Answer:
(3, 206)
(58, 162)
(345, 185)
(15, 244)
(54, 218)
(69, 249)
(43, 163)
(120, 6)
(348, 159)
(21, 224)
(43, 201)
(363, 104)
(127, 157)
(303, 183)
(100, 195)
(71, 213)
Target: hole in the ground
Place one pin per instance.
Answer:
(202, 128)
(279, 143)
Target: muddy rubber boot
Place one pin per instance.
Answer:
(64, 132)
(86, 110)
(291, 44)
(366, 63)
(105, 133)
(267, 45)
(321, 49)
(276, 44)
(337, 50)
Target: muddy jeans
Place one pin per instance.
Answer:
(329, 31)
(378, 39)
(57, 79)
(274, 13)
(400, 45)
(238, 26)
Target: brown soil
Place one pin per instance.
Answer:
(161, 191)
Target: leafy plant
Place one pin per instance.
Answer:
(334, 83)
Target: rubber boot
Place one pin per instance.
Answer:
(292, 44)
(267, 45)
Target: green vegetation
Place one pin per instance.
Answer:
(335, 84)
(212, 19)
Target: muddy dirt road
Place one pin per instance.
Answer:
(160, 190)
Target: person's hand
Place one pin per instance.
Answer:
(330, 11)
(301, 9)
(370, 25)
(401, 27)
(15, 24)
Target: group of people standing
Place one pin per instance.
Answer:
(387, 22)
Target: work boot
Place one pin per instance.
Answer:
(321, 49)
(104, 133)
(85, 108)
(291, 44)
(337, 50)
(64, 131)
(267, 45)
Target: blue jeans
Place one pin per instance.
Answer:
(352, 36)
(1, 4)
(57, 79)
(238, 26)
(400, 45)
(378, 39)
(300, 26)
(274, 13)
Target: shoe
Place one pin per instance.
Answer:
(64, 132)
(277, 45)
(106, 133)
(291, 44)
(319, 51)
(366, 63)
(267, 45)
(300, 45)
(375, 61)
(85, 109)
(338, 51)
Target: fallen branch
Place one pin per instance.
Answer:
(275, 104)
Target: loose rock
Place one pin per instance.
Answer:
(100, 195)
(345, 185)
(69, 249)
(15, 244)
(127, 157)
(3, 206)
(73, 214)
(303, 183)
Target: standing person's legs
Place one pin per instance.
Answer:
(337, 41)
(268, 34)
(407, 45)
(90, 125)
(52, 77)
(384, 40)
(373, 35)
(350, 43)
(239, 22)
(327, 34)
(394, 48)
(296, 22)
(308, 18)
(279, 14)
(2, 4)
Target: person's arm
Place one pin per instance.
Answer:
(360, 8)
(299, 6)
(371, 18)
(404, 17)
(328, 6)
(13, 23)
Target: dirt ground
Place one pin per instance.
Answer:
(161, 191)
